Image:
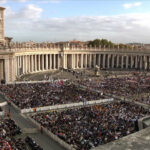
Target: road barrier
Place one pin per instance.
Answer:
(63, 106)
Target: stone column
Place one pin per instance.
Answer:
(77, 61)
(13, 68)
(90, 62)
(122, 61)
(99, 60)
(46, 61)
(136, 62)
(104, 59)
(86, 61)
(58, 61)
(145, 63)
(32, 64)
(50, 61)
(118, 61)
(43, 62)
(108, 61)
(132, 62)
(26, 63)
(7, 69)
(54, 61)
(72, 60)
(127, 62)
(35, 63)
(28, 59)
(66, 61)
(94, 61)
(22, 64)
(39, 63)
(17, 65)
(112, 63)
(141, 62)
(29, 64)
(81, 61)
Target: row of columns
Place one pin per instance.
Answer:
(82, 61)
(36, 63)
(41, 62)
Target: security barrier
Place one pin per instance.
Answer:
(63, 106)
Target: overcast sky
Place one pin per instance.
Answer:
(122, 21)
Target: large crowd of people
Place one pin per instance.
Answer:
(88, 127)
(8, 129)
(32, 144)
(83, 128)
(8, 141)
(125, 86)
(47, 94)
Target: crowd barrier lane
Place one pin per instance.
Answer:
(3, 104)
(77, 104)
(42, 109)
(53, 136)
(43, 81)
(146, 106)
(60, 106)
(63, 106)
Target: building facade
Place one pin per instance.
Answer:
(17, 59)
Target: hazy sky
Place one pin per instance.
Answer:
(60, 20)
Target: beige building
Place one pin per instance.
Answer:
(17, 59)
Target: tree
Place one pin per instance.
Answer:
(105, 43)
(101, 42)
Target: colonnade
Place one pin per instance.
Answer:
(36, 62)
(41, 62)
(83, 61)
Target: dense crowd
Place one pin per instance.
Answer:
(33, 145)
(8, 141)
(46, 94)
(143, 99)
(126, 86)
(88, 127)
(8, 129)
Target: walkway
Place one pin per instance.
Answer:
(30, 129)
